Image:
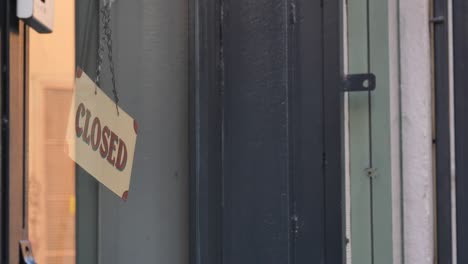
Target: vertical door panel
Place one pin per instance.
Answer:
(306, 132)
(282, 134)
(205, 133)
(334, 240)
(256, 168)
(460, 42)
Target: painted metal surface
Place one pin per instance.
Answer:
(460, 41)
(256, 198)
(381, 131)
(205, 133)
(306, 111)
(442, 133)
(370, 135)
(360, 82)
(395, 126)
(273, 124)
(333, 132)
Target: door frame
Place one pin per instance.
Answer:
(442, 106)
(205, 133)
(460, 70)
(13, 207)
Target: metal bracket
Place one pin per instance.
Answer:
(26, 253)
(359, 82)
(437, 20)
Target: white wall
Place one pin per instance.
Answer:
(416, 125)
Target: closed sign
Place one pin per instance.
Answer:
(101, 140)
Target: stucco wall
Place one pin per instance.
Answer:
(416, 124)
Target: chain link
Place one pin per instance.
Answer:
(106, 39)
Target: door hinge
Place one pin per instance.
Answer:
(359, 82)
(26, 253)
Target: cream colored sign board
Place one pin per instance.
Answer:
(100, 139)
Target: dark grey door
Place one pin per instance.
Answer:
(460, 41)
(267, 143)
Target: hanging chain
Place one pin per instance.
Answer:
(100, 58)
(108, 33)
(106, 39)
